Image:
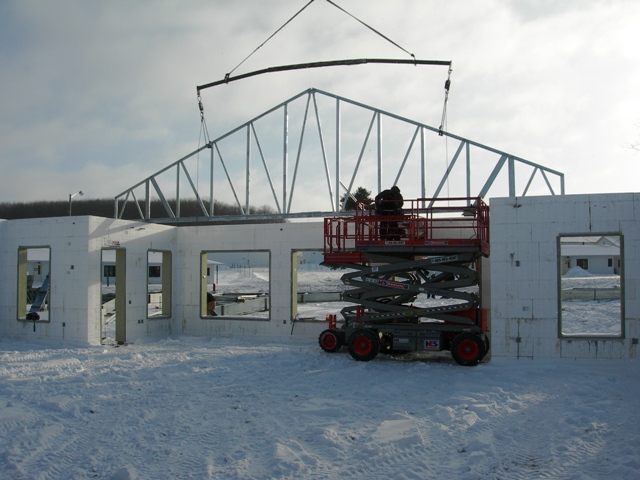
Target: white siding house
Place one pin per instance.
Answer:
(599, 257)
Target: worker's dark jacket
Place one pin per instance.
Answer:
(389, 203)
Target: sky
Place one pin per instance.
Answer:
(96, 96)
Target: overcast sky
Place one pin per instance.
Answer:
(95, 96)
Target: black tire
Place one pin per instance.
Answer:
(468, 349)
(364, 344)
(331, 340)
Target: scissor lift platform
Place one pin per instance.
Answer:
(398, 266)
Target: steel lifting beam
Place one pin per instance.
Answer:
(329, 63)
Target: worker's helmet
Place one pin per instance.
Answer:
(395, 189)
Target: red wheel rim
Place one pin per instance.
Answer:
(329, 340)
(362, 345)
(468, 349)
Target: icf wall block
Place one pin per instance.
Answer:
(52, 233)
(632, 333)
(278, 239)
(631, 239)
(608, 211)
(503, 341)
(135, 239)
(74, 311)
(631, 232)
(593, 348)
(507, 339)
(507, 216)
(631, 297)
(546, 304)
(548, 218)
(537, 337)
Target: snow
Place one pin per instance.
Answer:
(577, 272)
(601, 317)
(247, 409)
(239, 408)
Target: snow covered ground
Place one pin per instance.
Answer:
(255, 409)
(591, 317)
(248, 409)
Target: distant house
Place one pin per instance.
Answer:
(596, 255)
(109, 267)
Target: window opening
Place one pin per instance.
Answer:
(236, 284)
(317, 289)
(159, 283)
(113, 312)
(590, 287)
(34, 281)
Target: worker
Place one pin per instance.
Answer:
(389, 203)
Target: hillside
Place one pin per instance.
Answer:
(104, 207)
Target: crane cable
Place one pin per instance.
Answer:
(203, 124)
(372, 29)
(443, 126)
(204, 135)
(284, 25)
(447, 86)
(298, 13)
(270, 37)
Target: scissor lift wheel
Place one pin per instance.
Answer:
(468, 349)
(331, 340)
(364, 344)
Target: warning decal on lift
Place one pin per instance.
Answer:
(450, 258)
(387, 283)
(432, 344)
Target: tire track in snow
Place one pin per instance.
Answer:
(524, 439)
(202, 409)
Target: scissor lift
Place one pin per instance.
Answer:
(415, 279)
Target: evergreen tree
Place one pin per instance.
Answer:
(361, 195)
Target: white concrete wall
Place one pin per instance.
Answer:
(136, 238)
(67, 239)
(279, 239)
(524, 272)
(76, 253)
(75, 295)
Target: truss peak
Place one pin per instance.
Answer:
(304, 156)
